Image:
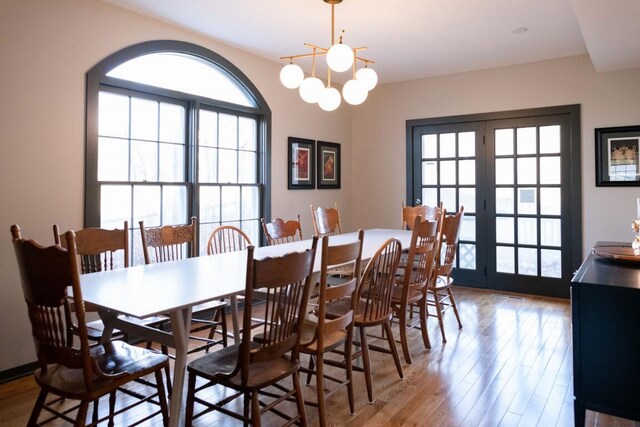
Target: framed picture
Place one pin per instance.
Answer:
(618, 156)
(328, 165)
(301, 164)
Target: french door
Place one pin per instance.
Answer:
(518, 179)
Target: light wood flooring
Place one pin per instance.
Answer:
(510, 365)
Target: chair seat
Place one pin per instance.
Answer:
(309, 345)
(117, 359)
(414, 296)
(442, 282)
(217, 365)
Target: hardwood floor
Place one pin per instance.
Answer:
(510, 365)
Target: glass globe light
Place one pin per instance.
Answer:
(291, 76)
(340, 57)
(368, 76)
(354, 92)
(311, 89)
(330, 99)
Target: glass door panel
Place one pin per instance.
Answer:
(448, 158)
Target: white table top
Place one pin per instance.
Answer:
(149, 290)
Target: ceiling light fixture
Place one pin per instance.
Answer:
(340, 58)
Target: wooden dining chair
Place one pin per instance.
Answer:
(101, 249)
(328, 333)
(249, 366)
(98, 249)
(440, 292)
(413, 282)
(227, 238)
(409, 214)
(224, 239)
(174, 242)
(80, 372)
(280, 231)
(372, 307)
(326, 221)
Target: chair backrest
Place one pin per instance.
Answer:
(284, 283)
(280, 231)
(409, 214)
(450, 231)
(170, 242)
(326, 221)
(46, 274)
(227, 238)
(377, 282)
(344, 255)
(421, 257)
(98, 247)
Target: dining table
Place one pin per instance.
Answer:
(173, 288)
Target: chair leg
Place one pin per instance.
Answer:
(247, 402)
(422, 305)
(167, 371)
(436, 299)
(455, 307)
(366, 362)
(348, 361)
(112, 407)
(35, 412)
(81, 416)
(255, 408)
(394, 349)
(320, 388)
(403, 334)
(162, 398)
(299, 398)
(94, 417)
(191, 391)
(312, 367)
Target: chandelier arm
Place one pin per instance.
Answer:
(365, 60)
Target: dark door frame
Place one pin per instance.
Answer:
(575, 196)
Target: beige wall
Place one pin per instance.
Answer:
(46, 48)
(606, 99)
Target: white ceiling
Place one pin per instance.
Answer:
(410, 39)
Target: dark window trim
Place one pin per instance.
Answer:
(96, 77)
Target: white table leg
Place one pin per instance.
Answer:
(181, 326)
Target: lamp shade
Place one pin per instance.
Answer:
(291, 76)
(340, 57)
(330, 99)
(354, 92)
(311, 89)
(367, 76)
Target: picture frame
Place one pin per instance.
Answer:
(617, 156)
(301, 161)
(329, 159)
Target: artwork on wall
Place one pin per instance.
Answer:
(328, 158)
(617, 156)
(301, 159)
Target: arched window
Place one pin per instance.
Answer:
(174, 131)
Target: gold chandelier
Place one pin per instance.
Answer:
(340, 58)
